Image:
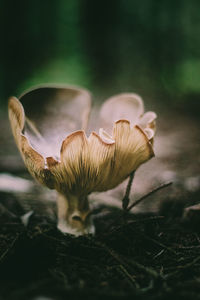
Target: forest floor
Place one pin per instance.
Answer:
(151, 253)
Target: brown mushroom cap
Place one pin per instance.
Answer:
(42, 120)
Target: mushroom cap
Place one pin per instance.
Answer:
(49, 123)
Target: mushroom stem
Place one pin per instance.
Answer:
(74, 216)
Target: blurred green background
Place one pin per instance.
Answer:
(151, 47)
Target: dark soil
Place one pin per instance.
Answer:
(143, 256)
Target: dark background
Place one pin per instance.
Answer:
(149, 47)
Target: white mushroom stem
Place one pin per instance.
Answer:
(74, 215)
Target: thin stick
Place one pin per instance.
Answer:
(130, 278)
(121, 214)
(162, 186)
(122, 265)
(125, 200)
(160, 244)
(9, 248)
(123, 261)
(186, 266)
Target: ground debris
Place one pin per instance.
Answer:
(145, 256)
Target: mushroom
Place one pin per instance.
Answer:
(49, 126)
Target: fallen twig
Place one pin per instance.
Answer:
(123, 213)
(125, 200)
(132, 262)
(162, 186)
(9, 248)
(159, 244)
(183, 267)
(120, 261)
